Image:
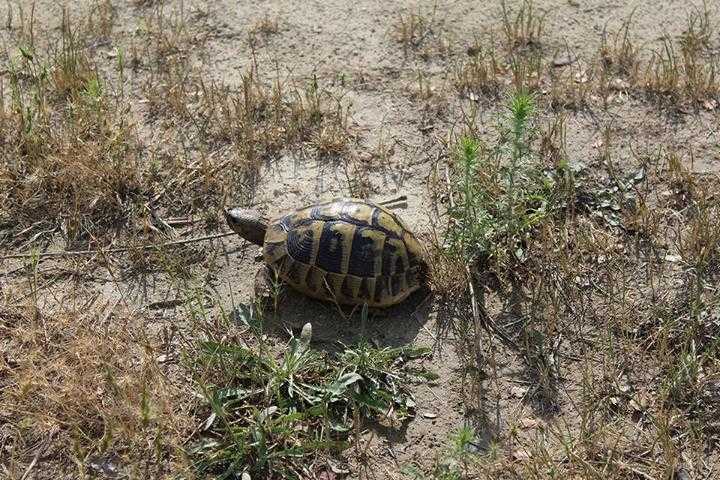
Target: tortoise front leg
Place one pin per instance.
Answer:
(267, 289)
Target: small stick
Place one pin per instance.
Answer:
(40, 451)
(401, 198)
(477, 321)
(72, 253)
(394, 206)
(480, 317)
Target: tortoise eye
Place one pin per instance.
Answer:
(230, 217)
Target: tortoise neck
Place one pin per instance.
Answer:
(256, 234)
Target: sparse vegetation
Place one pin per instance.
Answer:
(86, 392)
(123, 179)
(502, 193)
(411, 30)
(420, 33)
(265, 26)
(41, 165)
(524, 28)
(479, 75)
(454, 462)
(565, 184)
(619, 54)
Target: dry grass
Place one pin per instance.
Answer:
(594, 270)
(420, 33)
(680, 74)
(480, 74)
(524, 28)
(73, 160)
(79, 386)
(411, 30)
(264, 27)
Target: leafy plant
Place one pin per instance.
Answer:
(503, 193)
(271, 417)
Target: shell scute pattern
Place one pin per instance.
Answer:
(350, 251)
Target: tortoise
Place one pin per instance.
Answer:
(348, 251)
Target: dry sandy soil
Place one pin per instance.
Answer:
(363, 99)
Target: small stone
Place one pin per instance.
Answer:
(710, 104)
(582, 281)
(619, 84)
(564, 60)
(518, 392)
(306, 334)
(429, 415)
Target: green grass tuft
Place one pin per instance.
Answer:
(268, 415)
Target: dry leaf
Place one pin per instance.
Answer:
(521, 454)
(528, 423)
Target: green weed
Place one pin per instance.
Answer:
(501, 192)
(274, 416)
(453, 463)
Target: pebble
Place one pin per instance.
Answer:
(518, 392)
(619, 84)
(564, 60)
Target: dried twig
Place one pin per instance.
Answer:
(402, 199)
(480, 316)
(40, 451)
(72, 253)
(477, 320)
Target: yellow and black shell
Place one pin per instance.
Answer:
(348, 251)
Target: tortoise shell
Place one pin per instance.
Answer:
(348, 251)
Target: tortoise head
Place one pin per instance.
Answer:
(249, 224)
